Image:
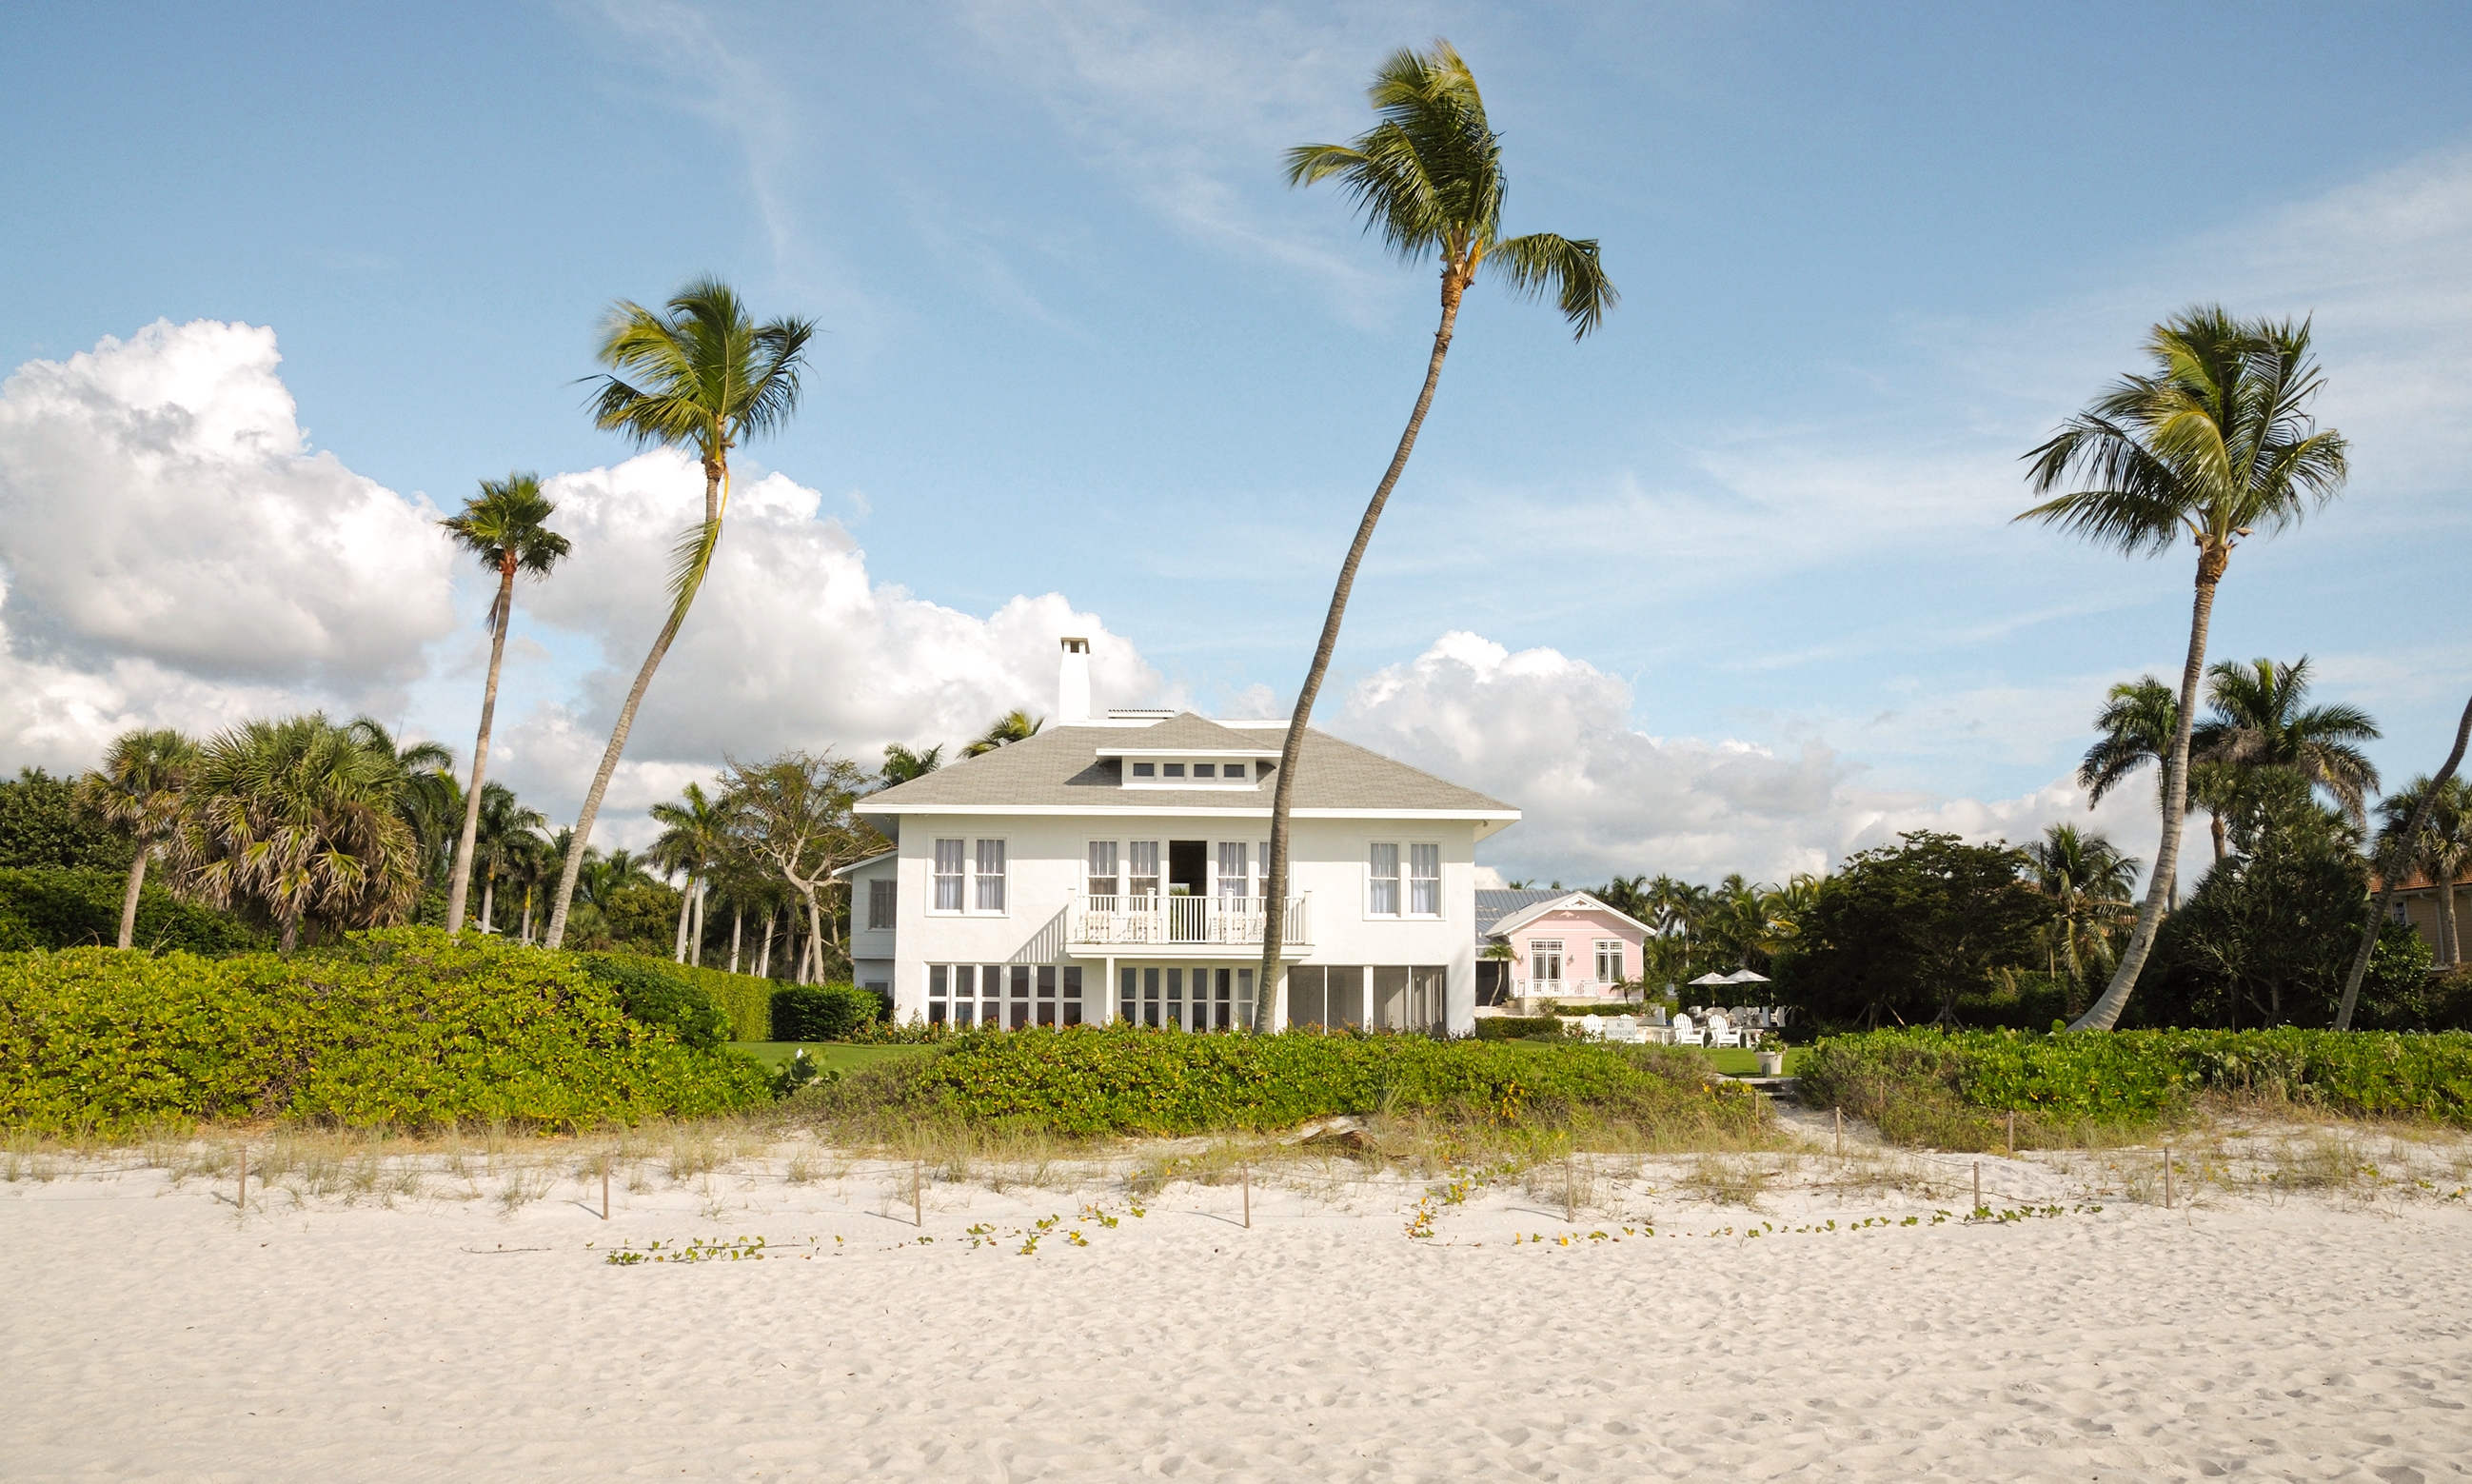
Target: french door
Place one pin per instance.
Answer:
(1178, 997)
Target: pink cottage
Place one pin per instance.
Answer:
(1561, 945)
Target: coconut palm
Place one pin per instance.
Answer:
(2440, 849)
(2134, 728)
(505, 527)
(1427, 180)
(137, 791)
(2214, 445)
(2383, 901)
(901, 764)
(504, 833)
(2259, 723)
(1016, 726)
(695, 839)
(705, 377)
(2091, 884)
(298, 821)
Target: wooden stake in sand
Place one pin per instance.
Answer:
(1248, 1170)
(604, 1183)
(2167, 1177)
(1977, 1184)
(1841, 1131)
(2012, 1132)
(242, 1200)
(1570, 1193)
(918, 1195)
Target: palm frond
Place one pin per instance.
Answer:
(1572, 271)
(690, 559)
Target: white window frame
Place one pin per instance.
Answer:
(1237, 887)
(980, 879)
(1133, 870)
(1547, 948)
(1090, 876)
(1614, 946)
(937, 876)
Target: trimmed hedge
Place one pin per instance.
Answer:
(668, 1001)
(41, 908)
(2134, 1076)
(744, 1001)
(1519, 1028)
(822, 1012)
(1116, 1079)
(401, 1027)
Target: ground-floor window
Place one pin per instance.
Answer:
(1173, 996)
(1358, 996)
(1010, 997)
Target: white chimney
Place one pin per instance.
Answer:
(1073, 684)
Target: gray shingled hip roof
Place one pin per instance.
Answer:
(1058, 771)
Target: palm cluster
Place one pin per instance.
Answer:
(1700, 929)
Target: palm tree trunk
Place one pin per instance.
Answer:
(2106, 1012)
(489, 903)
(128, 900)
(764, 953)
(457, 888)
(2449, 944)
(695, 933)
(737, 922)
(2215, 826)
(582, 836)
(686, 904)
(2384, 902)
(1275, 910)
(527, 937)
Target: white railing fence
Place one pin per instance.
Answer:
(1193, 920)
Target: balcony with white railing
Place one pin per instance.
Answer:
(1183, 923)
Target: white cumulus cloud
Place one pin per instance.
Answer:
(173, 551)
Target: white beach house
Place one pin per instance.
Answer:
(1113, 867)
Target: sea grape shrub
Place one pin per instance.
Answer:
(647, 992)
(400, 1027)
(1127, 1080)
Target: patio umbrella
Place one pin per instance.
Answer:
(1741, 976)
(1713, 978)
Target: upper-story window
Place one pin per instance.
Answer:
(988, 876)
(948, 874)
(1425, 880)
(1103, 880)
(1146, 770)
(1165, 772)
(1232, 872)
(1142, 861)
(1382, 898)
(1171, 769)
(880, 903)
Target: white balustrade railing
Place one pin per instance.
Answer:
(1183, 920)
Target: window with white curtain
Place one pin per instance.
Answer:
(1425, 880)
(880, 912)
(1382, 898)
(987, 874)
(1141, 864)
(948, 875)
(1232, 872)
(1610, 961)
(1103, 880)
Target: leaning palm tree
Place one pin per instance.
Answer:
(1015, 726)
(705, 376)
(1428, 179)
(2260, 723)
(506, 526)
(300, 823)
(2215, 443)
(137, 790)
(2440, 849)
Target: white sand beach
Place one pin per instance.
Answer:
(343, 1329)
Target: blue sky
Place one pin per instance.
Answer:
(1080, 338)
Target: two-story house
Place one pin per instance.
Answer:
(1115, 867)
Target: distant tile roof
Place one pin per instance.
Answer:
(1492, 906)
(1058, 767)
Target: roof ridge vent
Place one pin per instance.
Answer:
(1141, 713)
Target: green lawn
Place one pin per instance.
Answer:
(831, 1056)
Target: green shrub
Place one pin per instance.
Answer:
(1518, 1027)
(745, 1001)
(400, 1027)
(1117, 1079)
(44, 908)
(1916, 1079)
(648, 993)
(42, 828)
(822, 1012)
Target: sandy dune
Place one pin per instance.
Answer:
(155, 1333)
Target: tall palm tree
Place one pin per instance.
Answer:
(2090, 882)
(1428, 179)
(2375, 914)
(137, 791)
(694, 838)
(901, 764)
(2260, 723)
(1015, 726)
(705, 376)
(2214, 444)
(505, 527)
(301, 822)
(426, 797)
(2440, 849)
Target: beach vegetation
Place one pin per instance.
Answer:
(1903, 932)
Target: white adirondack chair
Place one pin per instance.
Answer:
(1685, 1034)
(1720, 1030)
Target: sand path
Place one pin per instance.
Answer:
(151, 1332)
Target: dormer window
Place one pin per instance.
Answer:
(1173, 770)
(1204, 770)
(1233, 770)
(1143, 770)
